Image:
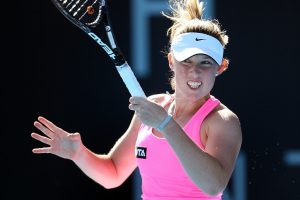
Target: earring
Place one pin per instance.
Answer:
(216, 74)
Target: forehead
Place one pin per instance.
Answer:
(199, 57)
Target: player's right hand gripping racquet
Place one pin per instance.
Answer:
(87, 15)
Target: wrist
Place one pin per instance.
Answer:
(79, 154)
(164, 123)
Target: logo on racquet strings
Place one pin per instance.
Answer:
(141, 152)
(103, 45)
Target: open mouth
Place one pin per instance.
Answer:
(194, 84)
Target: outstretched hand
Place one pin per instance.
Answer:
(61, 143)
(149, 112)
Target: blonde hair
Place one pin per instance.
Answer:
(187, 16)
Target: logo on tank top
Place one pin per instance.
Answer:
(141, 152)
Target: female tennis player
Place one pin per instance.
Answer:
(185, 144)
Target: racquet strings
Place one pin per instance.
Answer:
(87, 12)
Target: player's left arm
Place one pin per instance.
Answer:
(209, 169)
(224, 139)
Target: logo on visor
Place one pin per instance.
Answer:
(199, 39)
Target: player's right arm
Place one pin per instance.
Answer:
(109, 170)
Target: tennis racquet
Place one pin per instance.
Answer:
(87, 15)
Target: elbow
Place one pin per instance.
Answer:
(216, 184)
(214, 189)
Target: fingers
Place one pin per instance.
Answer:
(45, 130)
(137, 100)
(134, 103)
(133, 107)
(48, 128)
(42, 150)
(140, 103)
(48, 124)
(40, 138)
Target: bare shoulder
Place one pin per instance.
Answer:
(225, 114)
(222, 118)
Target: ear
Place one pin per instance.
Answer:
(223, 67)
(170, 60)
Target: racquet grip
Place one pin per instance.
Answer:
(130, 80)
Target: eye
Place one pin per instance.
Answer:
(206, 62)
(186, 62)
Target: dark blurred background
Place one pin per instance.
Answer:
(53, 69)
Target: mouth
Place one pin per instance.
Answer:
(194, 84)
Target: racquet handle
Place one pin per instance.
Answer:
(130, 80)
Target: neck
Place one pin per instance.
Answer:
(183, 107)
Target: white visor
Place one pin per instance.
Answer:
(189, 44)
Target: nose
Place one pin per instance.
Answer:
(195, 72)
(196, 69)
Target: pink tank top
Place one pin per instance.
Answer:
(163, 177)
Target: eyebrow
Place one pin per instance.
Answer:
(203, 57)
(206, 56)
